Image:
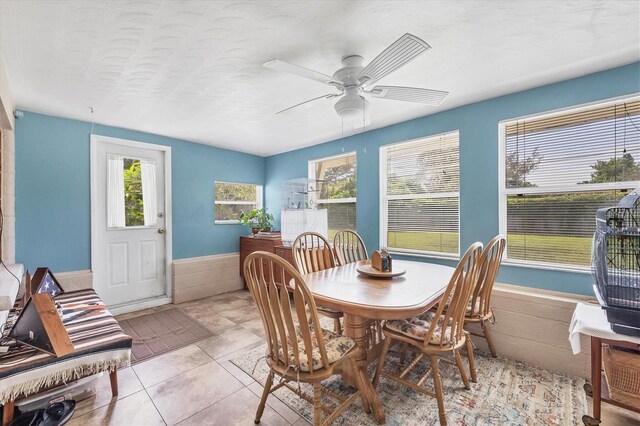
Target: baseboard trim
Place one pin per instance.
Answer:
(140, 305)
(205, 258)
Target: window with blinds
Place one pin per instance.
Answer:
(420, 187)
(558, 170)
(336, 187)
(232, 200)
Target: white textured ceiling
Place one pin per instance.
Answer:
(193, 69)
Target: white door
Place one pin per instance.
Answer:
(128, 222)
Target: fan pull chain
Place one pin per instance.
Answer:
(91, 112)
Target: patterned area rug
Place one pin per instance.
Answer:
(161, 332)
(507, 393)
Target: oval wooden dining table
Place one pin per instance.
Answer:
(366, 301)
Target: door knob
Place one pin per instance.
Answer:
(160, 231)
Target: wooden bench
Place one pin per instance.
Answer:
(99, 342)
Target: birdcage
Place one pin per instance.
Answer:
(615, 263)
(300, 211)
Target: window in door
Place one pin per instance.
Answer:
(131, 193)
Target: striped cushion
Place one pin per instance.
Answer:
(91, 327)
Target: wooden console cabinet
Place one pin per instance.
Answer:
(249, 244)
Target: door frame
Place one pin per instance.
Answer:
(168, 296)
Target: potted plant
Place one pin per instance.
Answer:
(258, 220)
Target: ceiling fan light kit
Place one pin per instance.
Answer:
(351, 106)
(353, 79)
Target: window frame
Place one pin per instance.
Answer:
(258, 203)
(384, 201)
(311, 173)
(504, 192)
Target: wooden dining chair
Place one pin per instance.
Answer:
(479, 310)
(299, 350)
(349, 247)
(312, 253)
(436, 334)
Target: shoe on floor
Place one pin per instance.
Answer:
(58, 413)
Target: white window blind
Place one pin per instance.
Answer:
(558, 170)
(336, 190)
(420, 186)
(234, 199)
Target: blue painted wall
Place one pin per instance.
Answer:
(53, 196)
(53, 192)
(478, 126)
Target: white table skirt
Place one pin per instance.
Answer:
(592, 321)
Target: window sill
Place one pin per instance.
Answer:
(424, 254)
(547, 266)
(227, 222)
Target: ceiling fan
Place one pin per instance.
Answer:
(354, 80)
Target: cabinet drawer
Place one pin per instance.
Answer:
(256, 245)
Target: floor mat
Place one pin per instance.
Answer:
(161, 332)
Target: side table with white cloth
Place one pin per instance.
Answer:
(591, 320)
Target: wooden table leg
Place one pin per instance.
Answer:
(113, 378)
(596, 374)
(7, 413)
(356, 328)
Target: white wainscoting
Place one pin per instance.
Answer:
(75, 280)
(199, 277)
(532, 326)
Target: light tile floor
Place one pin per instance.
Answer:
(198, 385)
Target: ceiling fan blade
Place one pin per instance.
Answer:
(302, 72)
(409, 94)
(402, 51)
(328, 96)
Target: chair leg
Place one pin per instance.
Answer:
(337, 327)
(317, 404)
(263, 400)
(381, 360)
(472, 360)
(463, 373)
(487, 336)
(437, 384)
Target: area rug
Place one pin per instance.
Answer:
(161, 332)
(507, 393)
